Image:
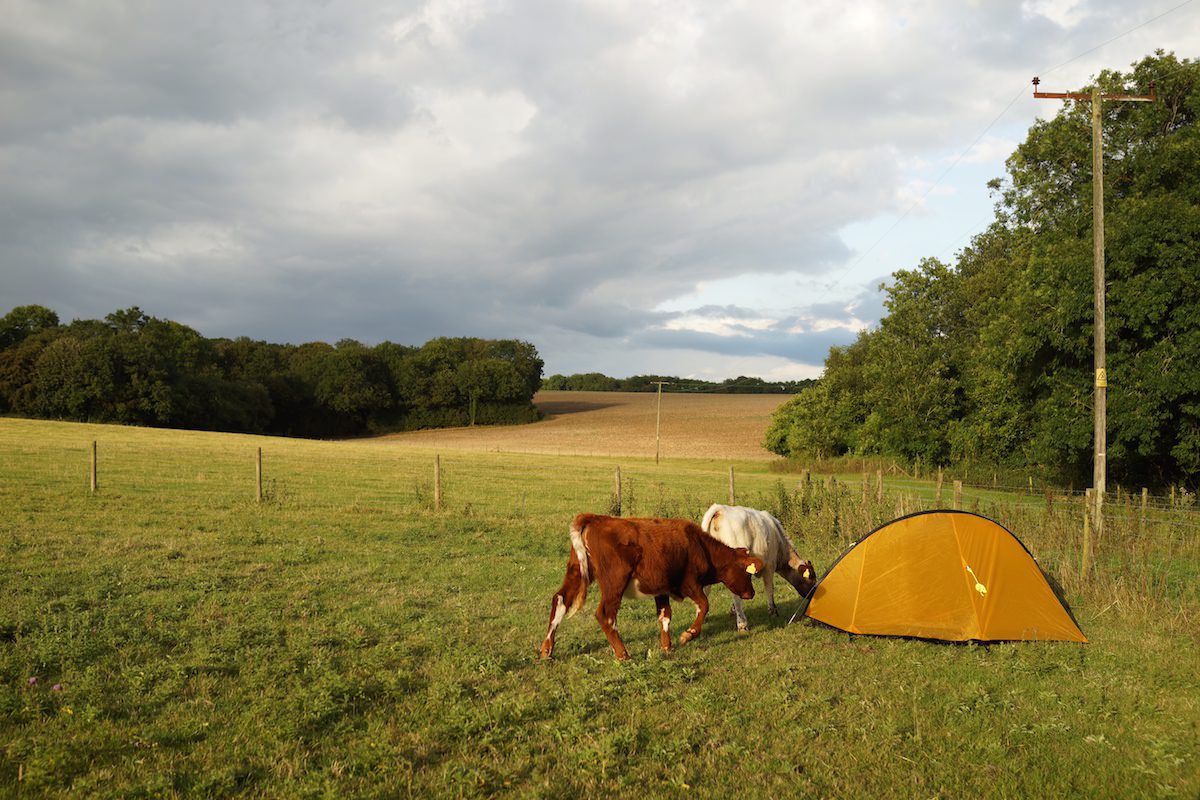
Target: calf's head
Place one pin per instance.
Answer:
(736, 574)
(806, 577)
(800, 573)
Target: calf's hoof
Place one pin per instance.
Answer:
(686, 637)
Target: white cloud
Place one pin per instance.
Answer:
(1064, 13)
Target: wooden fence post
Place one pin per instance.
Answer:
(258, 476)
(618, 479)
(941, 477)
(958, 495)
(437, 483)
(94, 482)
(1145, 497)
(879, 485)
(1086, 555)
(731, 494)
(804, 478)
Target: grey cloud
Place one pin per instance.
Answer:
(282, 171)
(807, 348)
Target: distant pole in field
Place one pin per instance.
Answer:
(958, 495)
(658, 419)
(731, 494)
(94, 482)
(258, 476)
(879, 485)
(941, 477)
(437, 483)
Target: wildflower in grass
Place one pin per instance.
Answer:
(33, 681)
(58, 687)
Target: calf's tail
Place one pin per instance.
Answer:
(580, 557)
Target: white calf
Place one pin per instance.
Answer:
(762, 534)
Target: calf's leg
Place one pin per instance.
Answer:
(768, 579)
(663, 602)
(738, 609)
(606, 615)
(696, 595)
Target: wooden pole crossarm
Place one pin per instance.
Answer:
(1133, 98)
(1061, 95)
(1127, 98)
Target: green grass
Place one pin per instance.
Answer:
(345, 639)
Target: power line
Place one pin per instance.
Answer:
(830, 286)
(1119, 36)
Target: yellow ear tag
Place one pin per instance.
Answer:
(807, 574)
(753, 570)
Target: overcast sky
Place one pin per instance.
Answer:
(700, 189)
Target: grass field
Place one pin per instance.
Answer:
(343, 638)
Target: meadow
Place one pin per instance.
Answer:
(169, 636)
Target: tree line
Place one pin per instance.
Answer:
(136, 369)
(989, 358)
(598, 382)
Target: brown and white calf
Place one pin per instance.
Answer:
(761, 534)
(659, 558)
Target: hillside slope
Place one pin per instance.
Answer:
(622, 424)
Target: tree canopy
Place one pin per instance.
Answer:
(990, 358)
(137, 369)
(598, 382)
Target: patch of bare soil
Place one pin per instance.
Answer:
(727, 426)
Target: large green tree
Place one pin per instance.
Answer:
(991, 358)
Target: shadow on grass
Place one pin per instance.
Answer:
(560, 408)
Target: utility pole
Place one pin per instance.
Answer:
(658, 418)
(1100, 388)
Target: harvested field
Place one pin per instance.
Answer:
(622, 424)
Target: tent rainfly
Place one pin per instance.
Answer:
(946, 575)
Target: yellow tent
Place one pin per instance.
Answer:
(942, 575)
